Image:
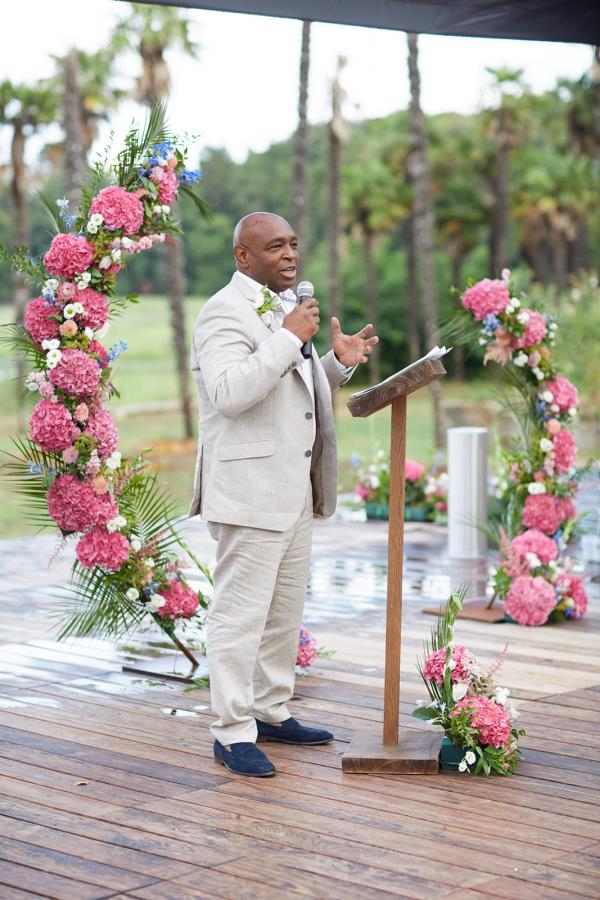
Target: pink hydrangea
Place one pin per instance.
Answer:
(77, 374)
(487, 297)
(565, 451)
(307, 649)
(490, 719)
(544, 512)
(101, 548)
(95, 305)
(413, 470)
(573, 587)
(168, 187)
(51, 426)
(181, 601)
(97, 349)
(75, 506)
(564, 393)
(101, 426)
(37, 320)
(533, 541)
(535, 331)
(568, 508)
(119, 209)
(433, 670)
(529, 601)
(68, 255)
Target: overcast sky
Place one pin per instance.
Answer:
(240, 91)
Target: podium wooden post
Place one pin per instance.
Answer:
(414, 751)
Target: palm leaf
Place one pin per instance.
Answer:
(202, 207)
(138, 144)
(32, 488)
(16, 339)
(53, 211)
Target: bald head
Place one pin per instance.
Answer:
(266, 249)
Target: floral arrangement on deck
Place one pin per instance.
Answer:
(69, 468)
(425, 490)
(534, 579)
(476, 714)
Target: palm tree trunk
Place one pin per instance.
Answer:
(300, 196)
(333, 218)
(499, 235)
(372, 310)
(176, 279)
(418, 172)
(412, 292)
(75, 156)
(21, 235)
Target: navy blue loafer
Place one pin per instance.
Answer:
(292, 732)
(244, 758)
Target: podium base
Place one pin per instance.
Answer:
(416, 753)
(476, 611)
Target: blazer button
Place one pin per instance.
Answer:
(308, 453)
(308, 415)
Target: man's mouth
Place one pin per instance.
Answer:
(289, 270)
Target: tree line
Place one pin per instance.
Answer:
(391, 212)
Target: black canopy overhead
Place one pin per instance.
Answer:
(577, 21)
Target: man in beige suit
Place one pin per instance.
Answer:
(267, 462)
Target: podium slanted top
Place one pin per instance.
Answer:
(406, 381)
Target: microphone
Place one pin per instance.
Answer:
(305, 291)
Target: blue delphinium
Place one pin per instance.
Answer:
(115, 350)
(189, 176)
(490, 323)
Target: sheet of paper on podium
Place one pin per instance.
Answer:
(435, 353)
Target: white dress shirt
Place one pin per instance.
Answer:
(305, 369)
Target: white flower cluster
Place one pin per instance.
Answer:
(114, 460)
(54, 355)
(83, 281)
(94, 222)
(73, 309)
(116, 524)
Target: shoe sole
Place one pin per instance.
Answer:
(275, 740)
(245, 774)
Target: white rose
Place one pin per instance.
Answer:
(114, 460)
(546, 445)
(553, 326)
(120, 521)
(554, 407)
(572, 411)
(462, 766)
(157, 210)
(155, 602)
(166, 209)
(482, 341)
(127, 243)
(96, 219)
(516, 303)
(520, 359)
(459, 690)
(84, 280)
(470, 757)
(51, 284)
(539, 374)
(89, 332)
(52, 344)
(536, 487)
(136, 545)
(547, 396)
(501, 695)
(91, 229)
(132, 593)
(116, 255)
(105, 262)
(53, 357)
(510, 308)
(523, 317)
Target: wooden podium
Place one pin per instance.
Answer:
(414, 751)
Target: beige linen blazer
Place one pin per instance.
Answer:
(255, 448)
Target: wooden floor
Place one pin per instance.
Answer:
(107, 790)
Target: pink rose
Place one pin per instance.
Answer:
(553, 426)
(68, 328)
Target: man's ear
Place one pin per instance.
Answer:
(241, 256)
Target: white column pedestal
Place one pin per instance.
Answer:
(467, 492)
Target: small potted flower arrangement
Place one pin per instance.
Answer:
(425, 491)
(476, 715)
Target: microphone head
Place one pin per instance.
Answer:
(305, 290)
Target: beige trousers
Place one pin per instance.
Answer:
(253, 624)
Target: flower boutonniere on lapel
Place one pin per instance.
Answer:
(268, 307)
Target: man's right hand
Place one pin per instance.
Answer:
(303, 320)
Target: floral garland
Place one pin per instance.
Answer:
(534, 578)
(477, 715)
(70, 468)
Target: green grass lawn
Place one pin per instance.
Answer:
(146, 374)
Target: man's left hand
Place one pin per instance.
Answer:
(352, 349)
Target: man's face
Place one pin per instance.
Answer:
(268, 253)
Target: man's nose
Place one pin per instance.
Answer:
(290, 252)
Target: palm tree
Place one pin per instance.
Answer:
(25, 109)
(422, 219)
(300, 195)
(505, 128)
(155, 30)
(373, 205)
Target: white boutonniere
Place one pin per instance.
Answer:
(268, 307)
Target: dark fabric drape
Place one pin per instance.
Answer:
(577, 21)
